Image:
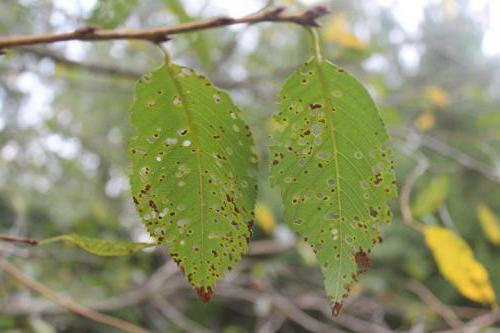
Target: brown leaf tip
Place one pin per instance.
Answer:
(205, 294)
(336, 308)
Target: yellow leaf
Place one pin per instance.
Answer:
(431, 197)
(426, 121)
(457, 264)
(438, 96)
(337, 30)
(264, 217)
(489, 223)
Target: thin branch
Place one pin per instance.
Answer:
(452, 153)
(487, 320)
(404, 197)
(307, 17)
(90, 67)
(68, 303)
(435, 304)
(15, 239)
(177, 317)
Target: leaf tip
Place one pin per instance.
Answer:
(336, 308)
(205, 294)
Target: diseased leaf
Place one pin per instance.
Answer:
(457, 264)
(431, 197)
(193, 175)
(333, 170)
(100, 247)
(489, 223)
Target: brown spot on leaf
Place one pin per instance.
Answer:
(336, 308)
(314, 106)
(378, 178)
(204, 294)
(363, 261)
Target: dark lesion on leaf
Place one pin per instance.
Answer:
(363, 261)
(205, 294)
(314, 106)
(337, 306)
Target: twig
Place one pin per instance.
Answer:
(404, 197)
(307, 17)
(68, 303)
(18, 240)
(435, 304)
(154, 286)
(177, 317)
(90, 67)
(476, 324)
(453, 153)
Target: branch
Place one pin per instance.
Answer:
(14, 239)
(307, 17)
(94, 68)
(435, 304)
(68, 303)
(452, 153)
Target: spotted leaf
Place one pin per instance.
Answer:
(193, 175)
(334, 172)
(100, 247)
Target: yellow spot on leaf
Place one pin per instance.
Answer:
(457, 264)
(438, 97)
(264, 217)
(337, 31)
(306, 253)
(426, 121)
(489, 223)
(274, 126)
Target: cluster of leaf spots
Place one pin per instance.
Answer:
(193, 174)
(334, 172)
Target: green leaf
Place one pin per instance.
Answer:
(333, 170)
(111, 13)
(100, 247)
(193, 174)
(431, 197)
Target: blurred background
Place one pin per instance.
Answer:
(433, 67)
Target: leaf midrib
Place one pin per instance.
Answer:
(198, 153)
(331, 132)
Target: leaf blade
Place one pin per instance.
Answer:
(330, 197)
(457, 264)
(490, 224)
(100, 247)
(193, 172)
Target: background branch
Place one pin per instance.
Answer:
(68, 303)
(307, 17)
